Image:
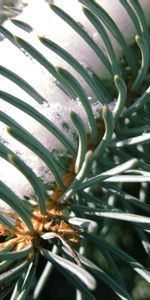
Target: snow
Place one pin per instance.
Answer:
(46, 23)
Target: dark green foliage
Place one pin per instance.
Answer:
(99, 230)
